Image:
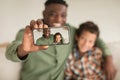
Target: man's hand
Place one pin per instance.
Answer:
(110, 68)
(27, 45)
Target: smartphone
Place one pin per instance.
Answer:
(51, 36)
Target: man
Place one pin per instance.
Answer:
(47, 62)
(47, 38)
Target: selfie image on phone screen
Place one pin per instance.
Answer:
(51, 36)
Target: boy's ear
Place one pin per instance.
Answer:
(76, 38)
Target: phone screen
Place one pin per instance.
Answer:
(51, 36)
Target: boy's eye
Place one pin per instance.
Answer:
(91, 41)
(82, 37)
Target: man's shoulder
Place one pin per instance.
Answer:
(69, 25)
(21, 30)
(41, 38)
(72, 28)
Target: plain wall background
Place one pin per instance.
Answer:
(16, 14)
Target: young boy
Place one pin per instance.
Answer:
(85, 61)
(58, 39)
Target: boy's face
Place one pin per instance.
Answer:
(55, 15)
(57, 38)
(86, 41)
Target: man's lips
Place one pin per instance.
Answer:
(57, 24)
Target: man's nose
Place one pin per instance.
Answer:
(58, 19)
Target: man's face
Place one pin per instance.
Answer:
(46, 32)
(55, 15)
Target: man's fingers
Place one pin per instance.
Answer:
(111, 75)
(45, 26)
(28, 36)
(28, 32)
(33, 24)
(39, 23)
(114, 74)
(27, 39)
(106, 73)
(108, 76)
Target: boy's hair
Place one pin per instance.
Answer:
(60, 36)
(48, 2)
(88, 26)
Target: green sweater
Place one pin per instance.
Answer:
(45, 41)
(45, 64)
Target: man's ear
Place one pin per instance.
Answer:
(43, 13)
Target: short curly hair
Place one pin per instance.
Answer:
(48, 2)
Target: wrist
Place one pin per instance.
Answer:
(21, 52)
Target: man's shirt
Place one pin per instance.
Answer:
(45, 41)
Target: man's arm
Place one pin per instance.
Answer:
(11, 50)
(24, 43)
(109, 66)
(106, 51)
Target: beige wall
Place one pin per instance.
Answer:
(16, 14)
